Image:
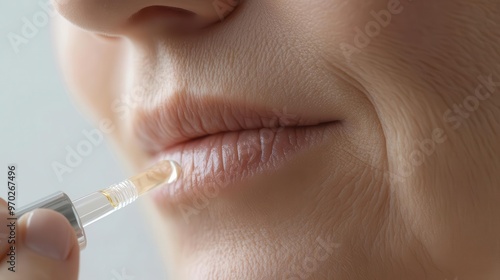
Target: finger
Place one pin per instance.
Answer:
(46, 249)
(4, 230)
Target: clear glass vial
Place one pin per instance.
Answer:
(95, 206)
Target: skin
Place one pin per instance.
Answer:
(20, 261)
(407, 190)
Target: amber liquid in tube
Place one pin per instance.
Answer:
(98, 205)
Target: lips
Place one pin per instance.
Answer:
(220, 143)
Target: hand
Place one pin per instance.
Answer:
(46, 247)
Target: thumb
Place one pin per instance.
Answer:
(46, 248)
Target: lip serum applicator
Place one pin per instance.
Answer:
(95, 206)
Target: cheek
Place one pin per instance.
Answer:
(91, 67)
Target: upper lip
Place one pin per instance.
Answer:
(181, 118)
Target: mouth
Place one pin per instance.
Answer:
(220, 144)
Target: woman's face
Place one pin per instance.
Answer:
(318, 139)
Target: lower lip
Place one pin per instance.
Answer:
(218, 162)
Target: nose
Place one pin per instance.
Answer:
(117, 17)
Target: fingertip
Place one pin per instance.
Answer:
(49, 234)
(46, 248)
(4, 229)
(3, 204)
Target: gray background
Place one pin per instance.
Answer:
(38, 120)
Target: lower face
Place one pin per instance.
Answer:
(316, 141)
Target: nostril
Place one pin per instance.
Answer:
(121, 18)
(159, 11)
(166, 19)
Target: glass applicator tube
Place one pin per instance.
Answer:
(98, 205)
(91, 208)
